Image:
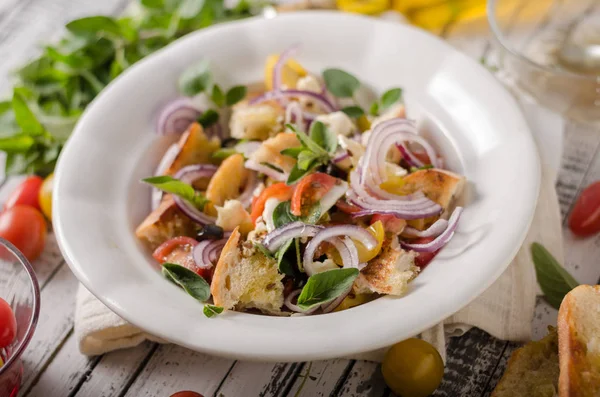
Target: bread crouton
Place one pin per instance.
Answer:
(270, 151)
(579, 342)
(389, 273)
(259, 121)
(165, 222)
(438, 185)
(241, 282)
(229, 180)
(196, 148)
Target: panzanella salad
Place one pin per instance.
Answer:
(292, 199)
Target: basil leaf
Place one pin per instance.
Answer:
(341, 84)
(553, 279)
(374, 109)
(390, 97)
(24, 116)
(326, 286)
(306, 160)
(292, 151)
(313, 214)
(94, 25)
(354, 111)
(17, 143)
(307, 142)
(284, 265)
(192, 283)
(282, 215)
(195, 79)
(208, 118)
(212, 310)
(295, 175)
(323, 137)
(263, 250)
(217, 96)
(175, 186)
(235, 94)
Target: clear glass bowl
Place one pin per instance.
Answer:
(531, 37)
(18, 287)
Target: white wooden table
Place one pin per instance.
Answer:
(54, 366)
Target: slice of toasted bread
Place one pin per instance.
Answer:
(259, 121)
(245, 282)
(270, 151)
(229, 180)
(438, 185)
(532, 370)
(579, 342)
(165, 222)
(196, 148)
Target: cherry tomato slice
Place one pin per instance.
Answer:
(26, 193)
(280, 191)
(178, 250)
(346, 207)
(585, 217)
(8, 324)
(25, 227)
(390, 223)
(423, 258)
(309, 190)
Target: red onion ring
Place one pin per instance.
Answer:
(329, 307)
(408, 156)
(274, 240)
(271, 95)
(268, 171)
(176, 116)
(432, 231)
(327, 234)
(189, 174)
(207, 252)
(295, 308)
(278, 68)
(246, 197)
(293, 114)
(440, 240)
(165, 162)
(340, 157)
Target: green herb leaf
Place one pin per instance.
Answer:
(309, 144)
(175, 186)
(263, 250)
(208, 118)
(374, 109)
(24, 116)
(292, 151)
(94, 26)
(235, 94)
(195, 79)
(323, 137)
(153, 3)
(313, 214)
(389, 98)
(284, 265)
(223, 153)
(17, 143)
(353, 111)
(553, 279)
(307, 159)
(282, 215)
(217, 96)
(326, 286)
(340, 83)
(192, 283)
(295, 175)
(212, 310)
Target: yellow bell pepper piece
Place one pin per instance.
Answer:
(290, 74)
(353, 300)
(363, 6)
(394, 184)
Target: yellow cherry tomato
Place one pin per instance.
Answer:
(364, 254)
(290, 74)
(413, 368)
(394, 184)
(363, 6)
(45, 196)
(354, 300)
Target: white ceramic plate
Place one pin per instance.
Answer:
(476, 124)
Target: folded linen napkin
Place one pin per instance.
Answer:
(504, 310)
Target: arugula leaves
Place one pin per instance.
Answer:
(339, 83)
(191, 283)
(554, 280)
(326, 286)
(52, 91)
(175, 186)
(316, 150)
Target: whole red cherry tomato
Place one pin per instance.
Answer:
(8, 324)
(585, 217)
(26, 193)
(25, 227)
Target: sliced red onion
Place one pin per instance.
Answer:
(274, 240)
(246, 197)
(247, 148)
(207, 252)
(165, 162)
(329, 307)
(343, 155)
(319, 98)
(327, 234)
(189, 174)
(432, 231)
(440, 240)
(268, 171)
(294, 114)
(176, 117)
(407, 155)
(295, 308)
(278, 68)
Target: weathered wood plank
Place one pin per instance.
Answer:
(499, 371)
(319, 378)
(364, 380)
(258, 379)
(173, 368)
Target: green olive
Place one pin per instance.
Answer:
(413, 368)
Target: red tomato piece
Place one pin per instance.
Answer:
(423, 258)
(26, 193)
(346, 207)
(186, 393)
(390, 222)
(585, 217)
(280, 191)
(178, 250)
(25, 227)
(311, 189)
(8, 324)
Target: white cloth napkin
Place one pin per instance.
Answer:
(505, 310)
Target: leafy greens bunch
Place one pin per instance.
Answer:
(52, 91)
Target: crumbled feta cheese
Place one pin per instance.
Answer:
(309, 83)
(267, 214)
(338, 122)
(231, 215)
(327, 264)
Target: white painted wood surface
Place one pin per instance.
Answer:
(54, 367)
